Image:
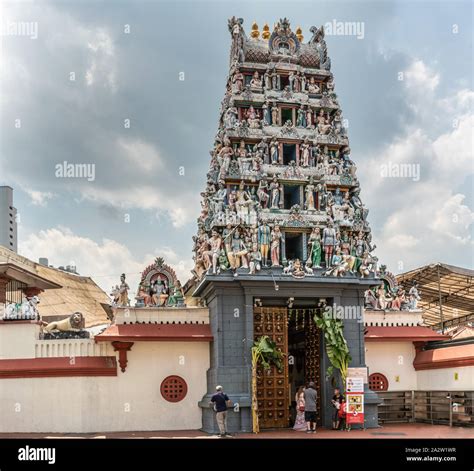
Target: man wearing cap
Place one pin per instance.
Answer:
(219, 401)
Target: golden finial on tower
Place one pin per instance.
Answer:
(266, 31)
(255, 32)
(299, 34)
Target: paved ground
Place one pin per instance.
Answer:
(387, 431)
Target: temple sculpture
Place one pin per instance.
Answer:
(159, 286)
(282, 190)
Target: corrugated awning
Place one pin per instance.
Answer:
(156, 333)
(405, 333)
(455, 284)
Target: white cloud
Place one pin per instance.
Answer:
(103, 261)
(39, 198)
(420, 76)
(426, 220)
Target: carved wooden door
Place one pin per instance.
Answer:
(273, 385)
(313, 358)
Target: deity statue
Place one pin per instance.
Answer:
(212, 255)
(267, 115)
(275, 115)
(262, 193)
(274, 154)
(365, 268)
(305, 150)
(303, 82)
(399, 299)
(176, 298)
(253, 118)
(346, 208)
(275, 246)
(309, 118)
(275, 80)
(297, 83)
(329, 241)
(314, 243)
(159, 292)
(230, 117)
(264, 241)
(370, 299)
(238, 255)
(219, 199)
(330, 85)
(225, 156)
(263, 147)
(339, 264)
(345, 245)
(274, 194)
(238, 82)
(337, 123)
(336, 201)
(324, 123)
(322, 190)
(301, 117)
(309, 193)
(256, 82)
(291, 81)
(223, 261)
(313, 88)
(255, 260)
(227, 238)
(267, 79)
(414, 297)
(360, 245)
(242, 203)
(314, 154)
(123, 292)
(383, 299)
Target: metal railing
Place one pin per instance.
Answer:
(434, 407)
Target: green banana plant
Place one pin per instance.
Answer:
(336, 345)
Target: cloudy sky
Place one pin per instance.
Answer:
(99, 83)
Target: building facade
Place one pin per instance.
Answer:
(8, 219)
(283, 235)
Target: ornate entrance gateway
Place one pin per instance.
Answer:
(275, 387)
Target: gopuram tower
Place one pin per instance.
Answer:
(282, 232)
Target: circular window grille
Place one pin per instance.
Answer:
(378, 382)
(174, 388)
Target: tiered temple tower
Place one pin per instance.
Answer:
(281, 215)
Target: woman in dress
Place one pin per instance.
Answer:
(300, 424)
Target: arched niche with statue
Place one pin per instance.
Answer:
(159, 287)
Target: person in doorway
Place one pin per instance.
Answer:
(337, 400)
(310, 398)
(300, 423)
(220, 401)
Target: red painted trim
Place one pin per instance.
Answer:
(156, 333)
(448, 357)
(402, 339)
(401, 334)
(57, 367)
(122, 348)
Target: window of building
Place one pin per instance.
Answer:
(284, 81)
(289, 153)
(378, 382)
(286, 115)
(174, 388)
(293, 246)
(291, 196)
